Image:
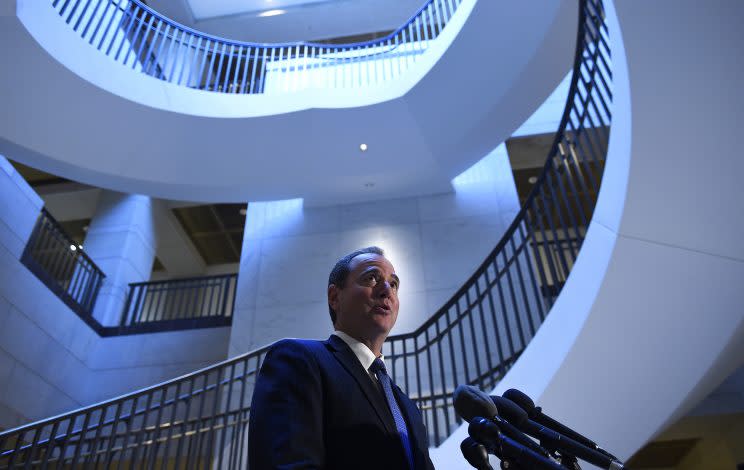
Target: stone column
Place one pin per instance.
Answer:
(121, 241)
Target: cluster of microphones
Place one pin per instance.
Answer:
(502, 426)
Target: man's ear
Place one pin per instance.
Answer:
(333, 297)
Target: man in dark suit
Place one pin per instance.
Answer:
(330, 404)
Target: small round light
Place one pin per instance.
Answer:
(532, 179)
(363, 147)
(81, 247)
(243, 211)
(272, 13)
(73, 248)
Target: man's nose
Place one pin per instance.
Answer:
(385, 289)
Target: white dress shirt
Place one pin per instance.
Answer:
(361, 351)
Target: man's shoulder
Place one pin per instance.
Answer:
(298, 346)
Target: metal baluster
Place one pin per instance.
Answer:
(463, 348)
(220, 77)
(140, 434)
(172, 421)
(253, 88)
(117, 11)
(142, 35)
(184, 424)
(92, 17)
(502, 303)
(82, 15)
(101, 19)
(127, 33)
(431, 380)
(210, 437)
(544, 239)
(484, 329)
(218, 74)
(244, 75)
(211, 66)
(226, 418)
(82, 432)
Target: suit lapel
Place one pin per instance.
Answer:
(349, 361)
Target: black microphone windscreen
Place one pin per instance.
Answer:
(470, 402)
(475, 453)
(522, 400)
(510, 411)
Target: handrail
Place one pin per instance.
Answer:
(135, 35)
(474, 338)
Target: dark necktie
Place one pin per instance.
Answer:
(378, 368)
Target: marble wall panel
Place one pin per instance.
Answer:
(294, 270)
(453, 249)
(379, 213)
(301, 320)
(33, 396)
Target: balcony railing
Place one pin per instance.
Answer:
(198, 302)
(60, 263)
(200, 420)
(136, 36)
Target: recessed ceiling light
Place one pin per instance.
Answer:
(73, 248)
(243, 211)
(363, 147)
(532, 179)
(272, 12)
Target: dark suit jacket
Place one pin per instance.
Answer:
(314, 406)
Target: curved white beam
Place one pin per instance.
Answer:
(506, 59)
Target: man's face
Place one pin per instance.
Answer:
(367, 304)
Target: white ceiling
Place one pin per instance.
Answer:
(205, 9)
(65, 125)
(303, 19)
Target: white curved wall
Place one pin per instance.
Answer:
(419, 139)
(651, 318)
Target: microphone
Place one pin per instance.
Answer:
(535, 413)
(486, 432)
(550, 439)
(470, 403)
(475, 453)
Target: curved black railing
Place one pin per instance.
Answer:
(137, 36)
(200, 419)
(60, 263)
(151, 306)
(177, 304)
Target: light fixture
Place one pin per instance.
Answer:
(532, 179)
(243, 211)
(272, 12)
(73, 248)
(363, 147)
(81, 247)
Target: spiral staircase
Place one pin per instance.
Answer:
(576, 343)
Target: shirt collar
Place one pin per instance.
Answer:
(361, 351)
